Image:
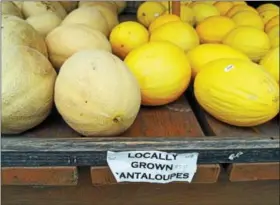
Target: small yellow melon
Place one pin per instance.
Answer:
(166, 18)
(203, 11)
(126, 36)
(273, 35)
(237, 92)
(178, 33)
(268, 15)
(223, 6)
(149, 11)
(271, 63)
(206, 33)
(267, 6)
(248, 18)
(238, 8)
(187, 14)
(96, 94)
(249, 40)
(271, 23)
(205, 53)
(162, 70)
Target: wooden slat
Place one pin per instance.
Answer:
(254, 171)
(204, 174)
(42, 176)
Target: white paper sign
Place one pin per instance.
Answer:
(152, 166)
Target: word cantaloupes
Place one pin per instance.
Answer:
(162, 70)
(237, 92)
(96, 94)
(27, 89)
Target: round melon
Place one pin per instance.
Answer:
(88, 16)
(110, 16)
(9, 8)
(65, 40)
(96, 94)
(271, 63)
(223, 6)
(27, 89)
(69, 5)
(240, 7)
(271, 23)
(203, 11)
(205, 53)
(33, 8)
(248, 18)
(267, 6)
(268, 15)
(16, 31)
(273, 35)
(44, 23)
(166, 18)
(237, 92)
(185, 36)
(162, 70)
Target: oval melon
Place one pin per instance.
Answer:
(96, 94)
(16, 31)
(27, 89)
(33, 8)
(9, 8)
(65, 40)
(110, 16)
(271, 63)
(88, 16)
(237, 92)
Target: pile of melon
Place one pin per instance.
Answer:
(97, 72)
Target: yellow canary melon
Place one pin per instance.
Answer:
(96, 94)
(33, 8)
(110, 16)
(69, 5)
(187, 15)
(239, 3)
(203, 11)
(121, 5)
(126, 36)
(271, 23)
(44, 23)
(108, 4)
(88, 16)
(223, 6)
(267, 6)
(271, 63)
(185, 36)
(206, 33)
(240, 7)
(268, 15)
(27, 89)
(9, 8)
(248, 18)
(249, 40)
(273, 35)
(149, 11)
(162, 70)
(205, 53)
(65, 40)
(237, 92)
(166, 18)
(16, 31)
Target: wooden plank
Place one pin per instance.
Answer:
(254, 171)
(204, 174)
(47, 176)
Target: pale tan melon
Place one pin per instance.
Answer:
(96, 94)
(65, 40)
(121, 5)
(88, 16)
(69, 5)
(18, 4)
(28, 80)
(44, 23)
(108, 4)
(10, 8)
(33, 8)
(110, 16)
(16, 31)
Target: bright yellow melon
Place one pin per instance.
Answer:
(223, 6)
(178, 33)
(96, 94)
(248, 18)
(249, 40)
(271, 23)
(126, 36)
(271, 63)
(162, 70)
(239, 3)
(237, 92)
(206, 53)
(166, 18)
(187, 14)
(268, 15)
(267, 6)
(206, 33)
(238, 8)
(273, 35)
(203, 11)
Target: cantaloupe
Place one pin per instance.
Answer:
(10, 8)
(237, 92)
(16, 31)
(96, 94)
(88, 16)
(27, 89)
(69, 5)
(65, 40)
(32, 8)
(162, 70)
(44, 23)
